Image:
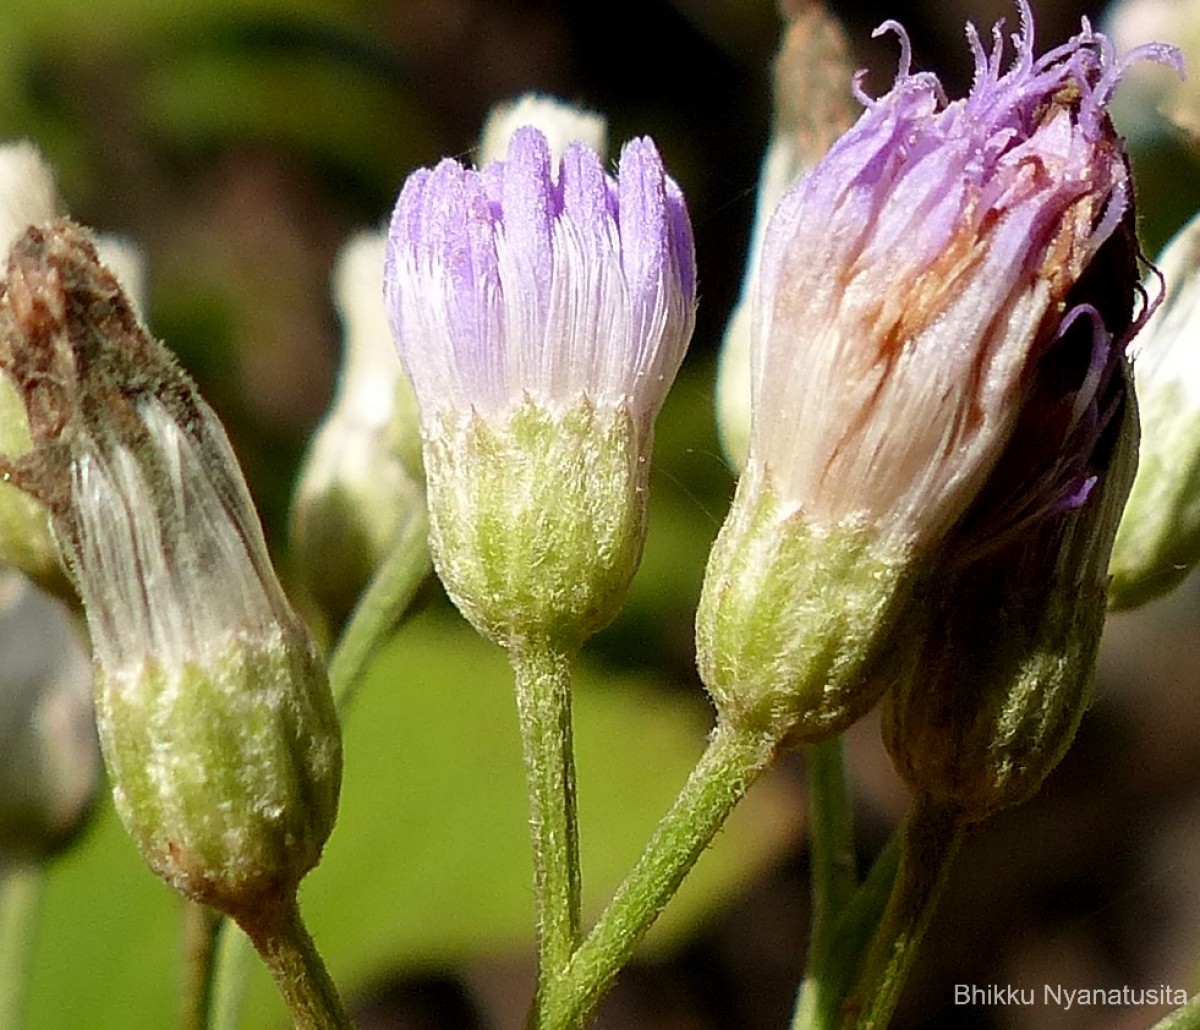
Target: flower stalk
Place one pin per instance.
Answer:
(543, 687)
(215, 717)
(201, 933)
(832, 873)
(732, 762)
(287, 950)
(381, 607)
(21, 888)
(931, 837)
(541, 309)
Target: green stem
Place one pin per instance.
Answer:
(200, 931)
(849, 940)
(1186, 1018)
(234, 952)
(732, 762)
(288, 952)
(930, 839)
(388, 597)
(834, 880)
(543, 687)
(20, 905)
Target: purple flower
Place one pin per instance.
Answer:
(922, 296)
(519, 282)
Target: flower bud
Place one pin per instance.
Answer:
(562, 124)
(917, 287)
(28, 195)
(541, 318)
(125, 259)
(49, 754)
(813, 107)
(989, 694)
(28, 191)
(362, 476)
(1158, 542)
(215, 717)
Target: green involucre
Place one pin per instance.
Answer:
(1000, 686)
(791, 615)
(1003, 653)
(227, 777)
(537, 524)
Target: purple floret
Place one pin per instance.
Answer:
(526, 281)
(914, 280)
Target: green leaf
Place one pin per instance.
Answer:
(66, 24)
(345, 114)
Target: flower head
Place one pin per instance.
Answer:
(988, 684)
(561, 124)
(541, 315)
(516, 282)
(938, 366)
(813, 106)
(361, 481)
(915, 279)
(29, 196)
(214, 712)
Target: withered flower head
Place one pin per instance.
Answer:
(214, 712)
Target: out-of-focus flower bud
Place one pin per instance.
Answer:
(917, 303)
(1154, 105)
(562, 124)
(28, 191)
(1159, 539)
(362, 477)
(125, 260)
(1003, 652)
(541, 314)
(29, 196)
(813, 107)
(49, 754)
(215, 717)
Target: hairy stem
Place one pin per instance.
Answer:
(732, 762)
(834, 880)
(282, 941)
(543, 682)
(930, 839)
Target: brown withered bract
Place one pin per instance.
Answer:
(812, 74)
(72, 345)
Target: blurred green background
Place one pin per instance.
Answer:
(239, 142)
